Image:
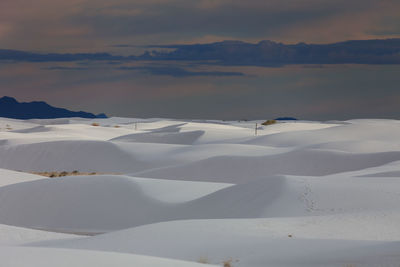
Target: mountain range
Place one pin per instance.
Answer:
(11, 108)
(263, 53)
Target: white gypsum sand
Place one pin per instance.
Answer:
(300, 193)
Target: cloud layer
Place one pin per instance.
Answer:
(178, 71)
(93, 25)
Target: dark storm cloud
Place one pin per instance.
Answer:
(241, 19)
(185, 18)
(186, 21)
(15, 55)
(65, 68)
(88, 25)
(178, 71)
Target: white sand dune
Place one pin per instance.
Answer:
(174, 191)
(295, 241)
(13, 124)
(11, 236)
(185, 138)
(300, 196)
(46, 133)
(97, 204)
(93, 156)
(239, 169)
(36, 129)
(299, 193)
(353, 131)
(50, 257)
(8, 177)
(383, 174)
(78, 205)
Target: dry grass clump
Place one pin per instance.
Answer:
(95, 124)
(117, 126)
(227, 263)
(268, 122)
(203, 260)
(63, 173)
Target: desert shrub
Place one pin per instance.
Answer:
(117, 126)
(268, 122)
(95, 124)
(203, 260)
(227, 263)
(65, 173)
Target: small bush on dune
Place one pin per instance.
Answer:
(203, 260)
(268, 122)
(63, 173)
(95, 124)
(227, 263)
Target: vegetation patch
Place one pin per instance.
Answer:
(268, 122)
(54, 174)
(203, 260)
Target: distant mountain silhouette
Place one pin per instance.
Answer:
(232, 53)
(286, 119)
(11, 108)
(269, 53)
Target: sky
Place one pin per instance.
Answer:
(122, 83)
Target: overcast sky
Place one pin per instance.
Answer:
(189, 89)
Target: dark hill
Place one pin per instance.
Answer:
(11, 108)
